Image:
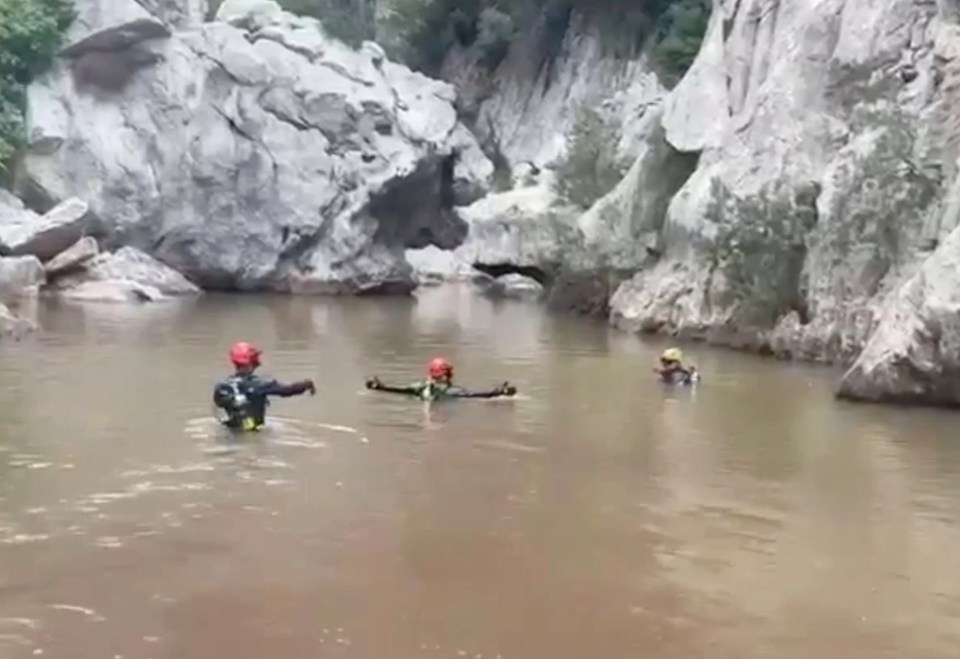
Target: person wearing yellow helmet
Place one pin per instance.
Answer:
(672, 370)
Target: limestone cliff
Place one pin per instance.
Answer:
(253, 152)
(790, 195)
(826, 152)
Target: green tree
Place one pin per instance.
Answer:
(31, 33)
(591, 168)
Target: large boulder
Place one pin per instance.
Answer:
(111, 290)
(513, 286)
(258, 154)
(432, 265)
(521, 228)
(127, 273)
(73, 257)
(44, 236)
(913, 356)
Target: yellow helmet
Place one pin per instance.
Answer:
(672, 355)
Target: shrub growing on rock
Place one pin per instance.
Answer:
(427, 29)
(31, 33)
(591, 168)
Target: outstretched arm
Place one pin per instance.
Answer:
(409, 390)
(274, 388)
(505, 389)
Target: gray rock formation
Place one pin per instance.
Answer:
(826, 138)
(255, 155)
(432, 265)
(72, 258)
(526, 108)
(513, 286)
(127, 274)
(520, 228)
(913, 356)
(45, 236)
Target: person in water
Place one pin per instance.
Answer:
(672, 370)
(244, 396)
(439, 385)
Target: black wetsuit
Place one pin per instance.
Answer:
(245, 398)
(439, 390)
(677, 376)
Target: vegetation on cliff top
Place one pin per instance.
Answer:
(422, 32)
(672, 29)
(591, 168)
(31, 32)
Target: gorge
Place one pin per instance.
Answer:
(793, 193)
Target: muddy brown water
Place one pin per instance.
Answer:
(599, 515)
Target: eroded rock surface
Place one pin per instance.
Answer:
(252, 153)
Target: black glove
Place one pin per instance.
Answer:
(508, 389)
(306, 386)
(374, 383)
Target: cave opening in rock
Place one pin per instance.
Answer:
(495, 270)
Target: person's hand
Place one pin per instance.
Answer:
(508, 389)
(374, 383)
(311, 387)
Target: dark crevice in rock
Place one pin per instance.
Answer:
(416, 211)
(103, 71)
(585, 292)
(495, 270)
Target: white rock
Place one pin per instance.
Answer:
(131, 265)
(111, 290)
(432, 265)
(266, 158)
(914, 354)
(513, 286)
(48, 235)
(73, 257)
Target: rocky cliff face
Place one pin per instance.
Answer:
(826, 151)
(791, 195)
(249, 153)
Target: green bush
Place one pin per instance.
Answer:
(591, 168)
(31, 32)
(679, 35)
(351, 21)
(427, 29)
(760, 247)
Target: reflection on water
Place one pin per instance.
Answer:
(598, 514)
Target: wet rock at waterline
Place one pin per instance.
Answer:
(20, 276)
(913, 356)
(72, 258)
(432, 265)
(523, 228)
(110, 290)
(13, 326)
(125, 275)
(255, 155)
(513, 286)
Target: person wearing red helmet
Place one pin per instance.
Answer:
(440, 385)
(244, 396)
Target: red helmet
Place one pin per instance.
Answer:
(244, 354)
(440, 368)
